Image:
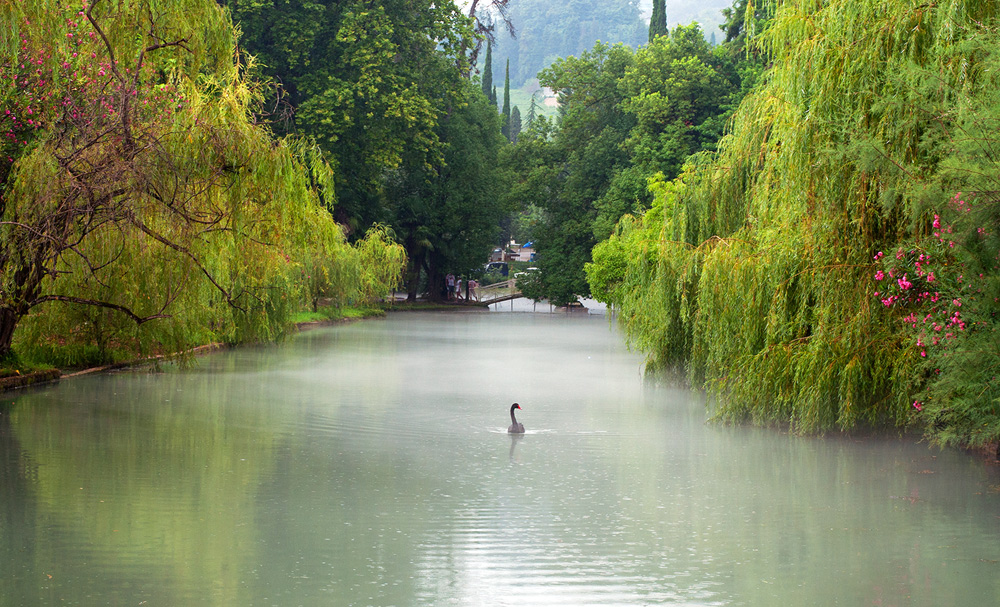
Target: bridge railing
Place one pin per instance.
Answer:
(496, 292)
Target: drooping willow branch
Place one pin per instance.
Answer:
(100, 304)
(190, 255)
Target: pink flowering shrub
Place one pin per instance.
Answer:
(928, 279)
(942, 288)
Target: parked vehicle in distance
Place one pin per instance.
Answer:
(498, 266)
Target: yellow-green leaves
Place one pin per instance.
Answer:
(764, 287)
(157, 212)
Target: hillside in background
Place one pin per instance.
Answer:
(547, 30)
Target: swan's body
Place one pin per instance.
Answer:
(515, 426)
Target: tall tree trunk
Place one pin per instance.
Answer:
(435, 281)
(8, 322)
(414, 254)
(25, 284)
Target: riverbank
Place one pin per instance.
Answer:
(20, 374)
(13, 378)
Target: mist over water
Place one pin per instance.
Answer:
(369, 464)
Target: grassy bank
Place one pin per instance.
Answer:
(60, 358)
(334, 314)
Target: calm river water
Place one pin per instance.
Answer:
(369, 464)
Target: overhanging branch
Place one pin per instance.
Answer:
(100, 304)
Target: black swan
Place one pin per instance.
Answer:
(515, 426)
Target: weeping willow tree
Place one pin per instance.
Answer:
(757, 271)
(142, 207)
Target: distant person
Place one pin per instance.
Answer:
(458, 288)
(473, 285)
(450, 281)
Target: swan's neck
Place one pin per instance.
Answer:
(512, 419)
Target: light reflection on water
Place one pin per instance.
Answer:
(369, 464)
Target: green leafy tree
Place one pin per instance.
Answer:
(532, 172)
(141, 204)
(354, 73)
(585, 153)
(833, 263)
(624, 118)
(447, 216)
(679, 93)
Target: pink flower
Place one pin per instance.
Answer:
(937, 221)
(879, 275)
(918, 405)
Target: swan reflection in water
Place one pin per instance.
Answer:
(514, 440)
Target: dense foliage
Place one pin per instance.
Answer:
(355, 77)
(381, 87)
(142, 207)
(448, 215)
(624, 116)
(834, 263)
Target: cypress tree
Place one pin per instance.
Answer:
(532, 110)
(488, 88)
(505, 129)
(658, 20)
(515, 125)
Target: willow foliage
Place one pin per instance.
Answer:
(169, 216)
(759, 277)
